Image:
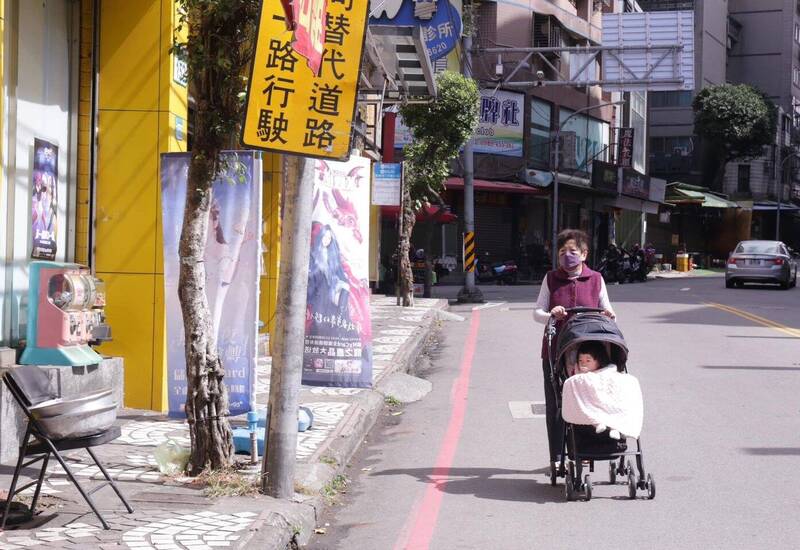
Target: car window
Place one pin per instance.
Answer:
(757, 248)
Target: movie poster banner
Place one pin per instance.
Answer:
(232, 261)
(44, 200)
(338, 343)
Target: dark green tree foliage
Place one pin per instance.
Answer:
(218, 52)
(439, 128)
(734, 122)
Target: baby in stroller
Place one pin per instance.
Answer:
(597, 394)
(600, 403)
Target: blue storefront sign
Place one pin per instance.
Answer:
(438, 20)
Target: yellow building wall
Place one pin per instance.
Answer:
(138, 105)
(2, 95)
(271, 239)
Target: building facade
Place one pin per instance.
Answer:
(97, 79)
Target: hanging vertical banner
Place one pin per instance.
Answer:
(338, 344)
(44, 200)
(290, 107)
(232, 261)
(309, 33)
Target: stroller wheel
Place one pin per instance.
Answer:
(651, 487)
(569, 490)
(553, 474)
(631, 484)
(587, 494)
(612, 472)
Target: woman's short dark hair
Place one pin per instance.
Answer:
(580, 237)
(596, 350)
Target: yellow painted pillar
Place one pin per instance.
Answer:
(142, 113)
(271, 239)
(2, 94)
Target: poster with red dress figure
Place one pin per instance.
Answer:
(338, 342)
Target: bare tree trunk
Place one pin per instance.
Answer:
(407, 220)
(207, 396)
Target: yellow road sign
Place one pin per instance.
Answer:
(289, 108)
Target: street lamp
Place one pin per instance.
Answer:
(780, 195)
(554, 251)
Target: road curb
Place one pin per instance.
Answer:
(315, 474)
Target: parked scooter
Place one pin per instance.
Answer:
(500, 272)
(638, 262)
(612, 265)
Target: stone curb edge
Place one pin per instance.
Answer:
(274, 530)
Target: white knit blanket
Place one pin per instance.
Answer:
(606, 397)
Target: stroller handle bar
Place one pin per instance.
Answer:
(585, 310)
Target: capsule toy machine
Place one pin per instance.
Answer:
(65, 315)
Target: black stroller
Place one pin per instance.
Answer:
(581, 445)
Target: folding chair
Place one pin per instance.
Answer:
(30, 386)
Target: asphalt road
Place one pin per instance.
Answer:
(721, 435)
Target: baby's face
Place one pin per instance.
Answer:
(587, 363)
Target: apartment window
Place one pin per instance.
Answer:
(797, 32)
(671, 99)
(743, 179)
(796, 76)
(541, 115)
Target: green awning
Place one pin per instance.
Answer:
(678, 195)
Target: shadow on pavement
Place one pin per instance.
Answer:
(772, 451)
(724, 367)
(483, 483)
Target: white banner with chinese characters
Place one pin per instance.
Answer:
(338, 342)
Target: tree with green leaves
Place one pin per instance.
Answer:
(734, 121)
(218, 52)
(439, 129)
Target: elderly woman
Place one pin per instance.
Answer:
(571, 284)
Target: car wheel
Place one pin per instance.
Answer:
(729, 284)
(786, 285)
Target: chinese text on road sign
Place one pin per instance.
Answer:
(289, 108)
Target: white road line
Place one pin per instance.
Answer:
(488, 305)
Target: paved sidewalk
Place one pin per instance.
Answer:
(694, 273)
(173, 513)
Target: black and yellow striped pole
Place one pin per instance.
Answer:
(469, 252)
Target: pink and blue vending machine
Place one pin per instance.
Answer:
(65, 314)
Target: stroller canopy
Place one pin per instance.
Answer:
(588, 327)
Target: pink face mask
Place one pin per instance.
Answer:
(570, 260)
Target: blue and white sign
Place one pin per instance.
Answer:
(438, 20)
(386, 184)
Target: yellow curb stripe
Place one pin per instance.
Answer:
(757, 319)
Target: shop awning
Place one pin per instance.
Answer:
(681, 195)
(428, 213)
(496, 186)
(773, 206)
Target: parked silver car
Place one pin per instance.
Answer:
(761, 262)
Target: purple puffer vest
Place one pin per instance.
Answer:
(582, 291)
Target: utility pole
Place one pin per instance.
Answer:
(277, 468)
(469, 293)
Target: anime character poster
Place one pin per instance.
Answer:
(232, 261)
(44, 200)
(338, 343)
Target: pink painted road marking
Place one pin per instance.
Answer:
(418, 531)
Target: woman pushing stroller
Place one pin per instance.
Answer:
(572, 284)
(585, 377)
